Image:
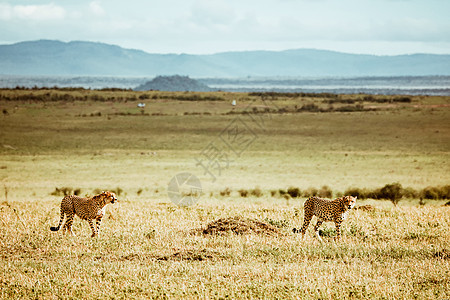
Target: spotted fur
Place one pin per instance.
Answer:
(90, 209)
(326, 211)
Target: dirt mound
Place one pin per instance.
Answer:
(365, 208)
(238, 225)
(193, 255)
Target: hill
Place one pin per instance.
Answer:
(174, 83)
(46, 57)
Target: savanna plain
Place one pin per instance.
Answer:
(257, 162)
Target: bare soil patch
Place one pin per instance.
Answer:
(192, 255)
(237, 225)
(367, 207)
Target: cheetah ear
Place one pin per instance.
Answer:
(356, 197)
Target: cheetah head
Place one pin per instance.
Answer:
(350, 201)
(109, 196)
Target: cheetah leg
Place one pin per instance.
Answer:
(99, 221)
(306, 222)
(92, 225)
(338, 230)
(68, 224)
(316, 229)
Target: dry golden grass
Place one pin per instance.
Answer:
(147, 249)
(150, 248)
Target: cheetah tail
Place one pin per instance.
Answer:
(56, 228)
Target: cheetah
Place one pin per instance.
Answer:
(326, 210)
(88, 209)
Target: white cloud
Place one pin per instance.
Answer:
(96, 8)
(42, 12)
(207, 26)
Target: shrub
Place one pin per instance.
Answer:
(243, 193)
(362, 193)
(282, 192)
(294, 192)
(410, 193)
(325, 192)
(445, 192)
(256, 192)
(310, 192)
(350, 108)
(118, 191)
(392, 192)
(404, 99)
(277, 223)
(327, 232)
(65, 191)
(225, 192)
(369, 98)
(431, 193)
(311, 107)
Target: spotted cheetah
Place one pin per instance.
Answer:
(326, 210)
(88, 209)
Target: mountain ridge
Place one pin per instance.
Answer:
(52, 57)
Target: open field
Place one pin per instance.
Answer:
(90, 140)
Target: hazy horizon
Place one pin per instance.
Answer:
(230, 51)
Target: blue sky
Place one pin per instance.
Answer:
(382, 27)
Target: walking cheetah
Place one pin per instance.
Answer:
(88, 209)
(326, 210)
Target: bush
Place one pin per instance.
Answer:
(356, 192)
(310, 192)
(256, 192)
(294, 192)
(277, 223)
(445, 192)
(311, 107)
(392, 192)
(225, 192)
(325, 192)
(243, 193)
(430, 193)
(410, 193)
(436, 193)
(65, 191)
(402, 99)
(118, 191)
(350, 108)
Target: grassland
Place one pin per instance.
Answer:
(92, 140)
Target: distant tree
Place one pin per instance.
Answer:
(392, 192)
